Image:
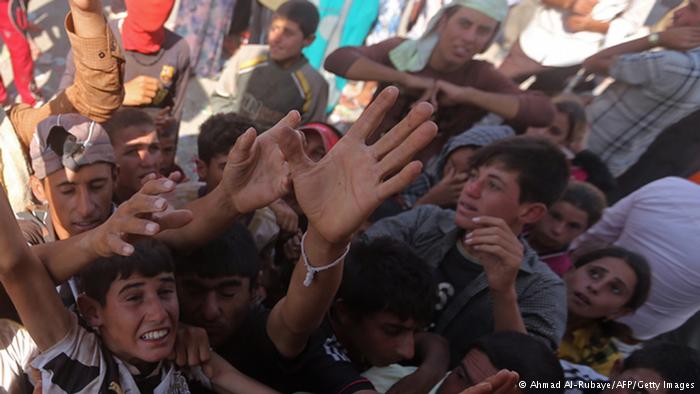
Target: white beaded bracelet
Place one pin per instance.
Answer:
(310, 270)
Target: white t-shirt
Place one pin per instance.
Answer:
(546, 41)
(16, 350)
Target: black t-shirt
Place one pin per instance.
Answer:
(453, 274)
(315, 370)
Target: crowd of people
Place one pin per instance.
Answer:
(467, 234)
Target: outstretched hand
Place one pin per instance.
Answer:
(144, 214)
(342, 189)
(256, 172)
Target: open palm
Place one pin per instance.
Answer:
(338, 193)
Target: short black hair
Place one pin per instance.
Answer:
(587, 198)
(635, 261)
(232, 254)
(524, 354)
(302, 12)
(218, 134)
(150, 258)
(384, 275)
(542, 169)
(674, 362)
(126, 117)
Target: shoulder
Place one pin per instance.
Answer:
(314, 77)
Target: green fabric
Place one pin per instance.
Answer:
(413, 55)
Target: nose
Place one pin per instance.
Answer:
(473, 187)
(594, 287)
(150, 159)
(406, 347)
(85, 204)
(210, 308)
(558, 228)
(155, 310)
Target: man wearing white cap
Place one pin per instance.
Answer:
(440, 66)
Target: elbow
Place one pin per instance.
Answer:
(339, 61)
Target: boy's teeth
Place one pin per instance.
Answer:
(154, 335)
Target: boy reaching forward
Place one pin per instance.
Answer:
(136, 323)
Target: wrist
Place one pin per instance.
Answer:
(504, 293)
(227, 201)
(654, 39)
(319, 250)
(469, 95)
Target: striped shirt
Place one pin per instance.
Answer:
(653, 90)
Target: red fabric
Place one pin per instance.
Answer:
(327, 134)
(143, 30)
(20, 53)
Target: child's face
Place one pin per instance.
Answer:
(600, 288)
(139, 320)
(557, 132)
(286, 40)
(560, 226)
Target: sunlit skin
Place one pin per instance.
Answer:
(136, 308)
(558, 228)
(464, 34)
(600, 289)
(557, 132)
(491, 190)
(138, 154)
(218, 305)
(78, 201)
(286, 40)
(377, 340)
(687, 16)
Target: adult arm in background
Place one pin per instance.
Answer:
(497, 94)
(337, 194)
(97, 90)
(371, 63)
(674, 38)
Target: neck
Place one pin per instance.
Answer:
(441, 65)
(287, 63)
(574, 322)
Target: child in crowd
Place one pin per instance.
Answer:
(576, 211)
(604, 285)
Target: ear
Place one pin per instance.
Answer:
(90, 310)
(308, 40)
(37, 186)
(115, 172)
(531, 212)
(202, 169)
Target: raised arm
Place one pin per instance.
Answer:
(97, 89)
(675, 38)
(26, 281)
(337, 194)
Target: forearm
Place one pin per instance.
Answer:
(64, 259)
(26, 281)
(212, 215)
(432, 356)
(365, 69)
(506, 312)
(502, 104)
(301, 311)
(601, 62)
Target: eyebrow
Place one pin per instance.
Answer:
(168, 280)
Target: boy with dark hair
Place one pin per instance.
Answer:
(663, 364)
(483, 266)
(137, 149)
(314, 281)
(532, 360)
(216, 137)
(263, 82)
(580, 207)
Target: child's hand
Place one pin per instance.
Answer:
(146, 213)
(191, 346)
